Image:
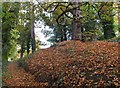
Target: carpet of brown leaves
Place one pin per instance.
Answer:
(69, 64)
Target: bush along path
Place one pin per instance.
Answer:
(69, 64)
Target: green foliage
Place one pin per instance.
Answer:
(96, 18)
(10, 32)
(16, 22)
(115, 39)
(90, 35)
(9, 38)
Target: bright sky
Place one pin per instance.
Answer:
(41, 37)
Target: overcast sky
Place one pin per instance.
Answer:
(41, 37)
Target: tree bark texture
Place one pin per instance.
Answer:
(76, 29)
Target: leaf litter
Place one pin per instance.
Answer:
(69, 64)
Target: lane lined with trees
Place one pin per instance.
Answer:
(68, 20)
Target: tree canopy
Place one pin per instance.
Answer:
(68, 21)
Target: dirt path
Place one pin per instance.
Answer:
(17, 76)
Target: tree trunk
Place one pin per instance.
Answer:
(28, 43)
(32, 29)
(61, 35)
(65, 35)
(22, 45)
(76, 29)
(108, 29)
(119, 18)
(108, 25)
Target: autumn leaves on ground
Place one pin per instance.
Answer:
(69, 64)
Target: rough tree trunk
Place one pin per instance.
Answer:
(76, 29)
(22, 45)
(108, 26)
(32, 29)
(65, 35)
(108, 29)
(28, 43)
(119, 18)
